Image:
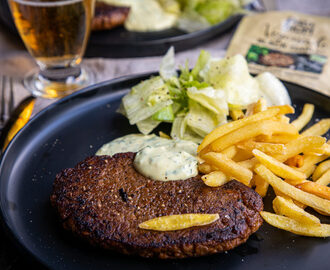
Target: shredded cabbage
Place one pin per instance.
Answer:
(200, 120)
(145, 99)
(147, 125)
(197, 101)
(167, 68)
(214, 100)
(272, 89)
(232, 76)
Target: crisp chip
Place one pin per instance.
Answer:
(178, 222)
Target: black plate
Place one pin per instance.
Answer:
(118, 42)
(74, 128)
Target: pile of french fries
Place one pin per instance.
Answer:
(261, 149)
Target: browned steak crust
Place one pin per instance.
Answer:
(108, 16)
(103, 199)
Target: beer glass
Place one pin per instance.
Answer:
(55, 32)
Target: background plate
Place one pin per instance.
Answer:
(75, 127)
(118, 42)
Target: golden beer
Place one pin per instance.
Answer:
(55, 32)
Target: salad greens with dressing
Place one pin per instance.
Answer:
(187, 15)
(198, 100)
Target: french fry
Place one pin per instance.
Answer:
(284, 109)
(316, 189)
(248, 163)
(300, 145)
(249, 110)
(283, 118)
(286, 207)
(282, 138)
(324, 179)
(215, 179)
(205, 150)
(323, 150)
(164, 135)
(295, 182)
(269, 148)
(250, 131)
(291, 225)
(291, 191)
(242, 155)
(206, 168)
(321, 181)
(229, 127)
(309, 164)
(230, 152)
(304, 117)
(229, 167)
(318, 129)
(178, 222)
(261, 185)
(281, 194)
(260, 105)
(295, 161)
(236, 114)
(278, 167)
(321, 169)
(322, 213)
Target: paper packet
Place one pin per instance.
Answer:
(294, 47)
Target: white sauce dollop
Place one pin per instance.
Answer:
(157, 158)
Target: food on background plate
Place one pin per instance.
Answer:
(107, 16)
(104, 200)
(285, 165)
(197, 101)
(189, 16)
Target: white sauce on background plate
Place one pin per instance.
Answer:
(157, 158)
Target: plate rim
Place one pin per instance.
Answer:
(185, 35)
(11, 233)
(110, 82)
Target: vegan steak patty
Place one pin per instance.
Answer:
(103, 200)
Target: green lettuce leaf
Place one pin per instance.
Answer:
(201, 120)
(147, 125)
(145, 99)
(215, 11)
(232, 76)
(166, 114)
(202, 60)
(191, 21)
(167, 67)
(272, 89)
(214, 100)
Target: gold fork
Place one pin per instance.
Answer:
(6, 99)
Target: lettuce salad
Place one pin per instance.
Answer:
(198, 100)
(187, 15)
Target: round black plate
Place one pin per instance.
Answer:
(74, 128)
(118, 42)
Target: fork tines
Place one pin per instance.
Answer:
(6, 99)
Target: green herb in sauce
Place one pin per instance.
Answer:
(157, 158)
